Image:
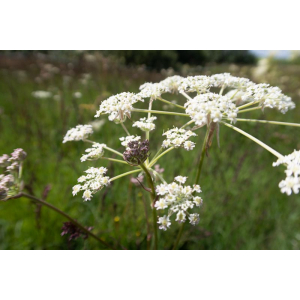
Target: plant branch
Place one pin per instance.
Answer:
(40, 201)
(269, 122)
(274, 152)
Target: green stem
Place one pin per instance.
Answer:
(124, 127)
(196, 182)
(152, 199)
(115, 160)
(63, 214)
(269, 122)
(169, 102)
(274, 152)
(160, 112)
(178, 236)
(186, 95)
(250, 109)
(114, 151)
(248, 104)
(124, 174)
(202, 156)
(158, 157)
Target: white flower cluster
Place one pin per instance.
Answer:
(91, 183)
(292, 180)
(93, 153)
(177, 198)
(200, 84)
(178, 138)
(269, 96)
(119, 106)
(145, 124)
(80, 132)
(226, 80)
(212, 106)
(128, 139)
(155, 90)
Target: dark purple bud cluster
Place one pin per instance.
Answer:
(74, 231)
(136, 152)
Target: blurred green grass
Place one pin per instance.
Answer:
(243, 207)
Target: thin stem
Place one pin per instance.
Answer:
(160, 112)
(186, 95)
(124, 174)
(115, 160)
(196, 182)
(178, 236)
(249, 109)
(202, 156)
(169, 102)
(152, 199)
(187, 124)
(274, 152)
(63, 214)
(269, 122)
(248, 104)
(148, 132)
(105, 147)
(158, 157)
(114, 151)
(124, 127)
(222, 89)
(233, 95)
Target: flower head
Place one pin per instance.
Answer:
(79, 133)
(178, 198)
(92, 182)
(178, 138)
(145, 124)
(93, 153)
(292, 181)
(118, 107)
(210, 106)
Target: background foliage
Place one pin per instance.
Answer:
(243, 207)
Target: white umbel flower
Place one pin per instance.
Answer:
(152, 90)
(145, 124)
(93, 153)
(269, 96)
(92, 182)
(199, 84)
(79, 133)
(119, 107)
(226, 80)
(292, 181)
(177, 198)
(178, 138)
(210, 106)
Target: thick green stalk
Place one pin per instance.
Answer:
(63, 214)
(202, 156)
(152, 199)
